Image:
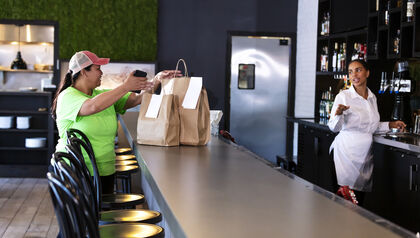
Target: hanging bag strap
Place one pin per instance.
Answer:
(185, 67)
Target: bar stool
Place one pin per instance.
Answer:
(76, 217)
(125, 157)
(123, 172)
(123, 151)
(74, 147)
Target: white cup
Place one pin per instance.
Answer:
(6, 122)
(23, 122)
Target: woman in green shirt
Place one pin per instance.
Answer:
(78, 104)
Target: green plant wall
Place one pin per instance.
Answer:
(123, 30)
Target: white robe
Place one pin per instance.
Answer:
(353, 145)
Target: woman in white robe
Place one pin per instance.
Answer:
(355, 115)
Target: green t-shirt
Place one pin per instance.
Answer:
(100, 128)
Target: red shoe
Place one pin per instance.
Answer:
(347, 193)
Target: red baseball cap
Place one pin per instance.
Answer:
(83, 59)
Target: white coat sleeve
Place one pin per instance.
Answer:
(383, 126)
(336, 121)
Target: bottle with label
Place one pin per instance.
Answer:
(399, 3)
(327, 24)
(324, 59)
(323, 25)
(334, 58)
(410, 10)
(343, 58)
(355, 53)
(387, 9)
(396, 43)
(339, 57)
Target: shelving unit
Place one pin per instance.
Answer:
(15, 159)
(378, 37)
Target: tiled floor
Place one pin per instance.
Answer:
(26, 209)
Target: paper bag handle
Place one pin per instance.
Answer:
(185, 67)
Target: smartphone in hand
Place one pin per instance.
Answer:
(139, 73)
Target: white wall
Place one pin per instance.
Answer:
(305, 61)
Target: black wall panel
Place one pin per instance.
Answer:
(197, 31)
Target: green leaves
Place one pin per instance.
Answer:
(123, 30)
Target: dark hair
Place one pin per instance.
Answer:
(66, 82)
(362, 62)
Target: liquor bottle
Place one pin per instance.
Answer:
(334, 58)
(365, 52)
(397, 42)
(355, 53)
(327, 24)
(343, 58)
(361, 52)
(388, 7)
(399, 3)
(323, 25)
(324, 59)
(377, 5)
(339, 57)
(410, 10)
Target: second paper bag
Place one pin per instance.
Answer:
(195, 123)
(163, 130)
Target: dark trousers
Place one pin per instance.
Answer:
(108, 183)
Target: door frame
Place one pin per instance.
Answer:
(291, 87)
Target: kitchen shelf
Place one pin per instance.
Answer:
(25, 130)
(24, 148)
(23, 112)
(4, 69)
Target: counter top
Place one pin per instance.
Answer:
(223, 190)
(409, 142)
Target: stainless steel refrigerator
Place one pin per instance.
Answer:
(259, 82)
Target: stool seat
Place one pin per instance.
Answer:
(120, 200)
(125, 162)
(126, 169)
(131, 215)
(130, 230)
(123, 150)
(125, 157)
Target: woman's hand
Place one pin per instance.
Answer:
(397, 124)
(132, 83)
(340, 109)
(166, 74)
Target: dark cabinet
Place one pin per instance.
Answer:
(396, 186)
(16, 158)
(315, 164)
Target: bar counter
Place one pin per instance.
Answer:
(223, 190)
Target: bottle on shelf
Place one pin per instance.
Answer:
(410, 10)
(334, 58)
(324, 59)
(377, 6)
(323, 21)
(365, 52)
(343, 58)
(399, 3)
(327, 24)
(339, 58)
(355, 54)
(387, 9)
(396, 42)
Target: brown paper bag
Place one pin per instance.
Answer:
(163, 130)
(195, 123)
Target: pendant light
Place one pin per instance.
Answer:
(18, 63)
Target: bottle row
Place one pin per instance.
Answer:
(339, 56)
(409, 9)
(326, 103)
(400, 82)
